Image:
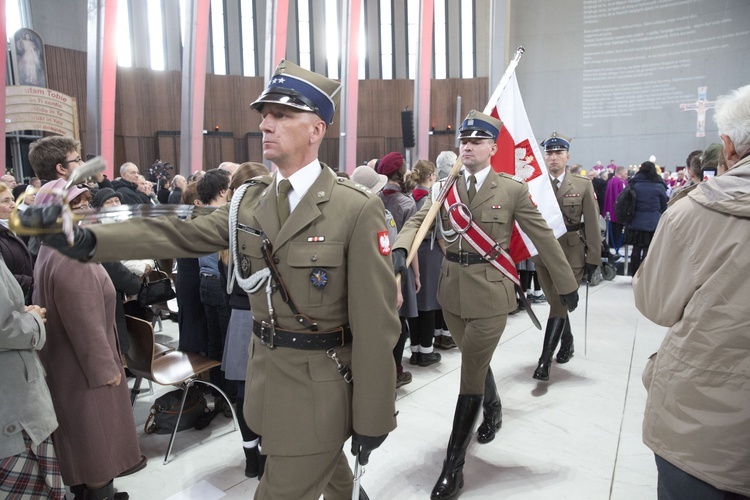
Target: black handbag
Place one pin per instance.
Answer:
(163, 415)
(156, 288)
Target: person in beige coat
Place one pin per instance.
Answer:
(475, 296)
(694, 280)
(328, 234)
(582, 244)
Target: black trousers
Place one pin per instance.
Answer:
(676, 484)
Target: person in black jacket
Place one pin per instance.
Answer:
(127, 185)
(650, 203)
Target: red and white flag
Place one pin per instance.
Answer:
(518, 154)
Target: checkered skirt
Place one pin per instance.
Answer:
(32, 474)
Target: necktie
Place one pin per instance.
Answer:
(282, 200)
(472, 187)
(557, 184)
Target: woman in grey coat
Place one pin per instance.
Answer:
(28, 464)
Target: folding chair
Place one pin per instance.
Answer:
(174, 367)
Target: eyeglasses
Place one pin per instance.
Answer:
(85, 206)
(77, 160)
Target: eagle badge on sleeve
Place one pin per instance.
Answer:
(384, 243)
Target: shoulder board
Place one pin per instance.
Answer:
(342, 181)
(264, 180)
(511, 177)
(583, 177)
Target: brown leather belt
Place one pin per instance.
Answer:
(466, 258)
(315, 341)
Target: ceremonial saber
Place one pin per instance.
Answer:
(586, 321)
(90, 168)
(358, 471)
(112, 214)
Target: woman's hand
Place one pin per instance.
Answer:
(115, 381)
(39, 311)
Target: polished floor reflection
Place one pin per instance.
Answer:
(577, 436)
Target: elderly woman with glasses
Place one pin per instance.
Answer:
(96, 440)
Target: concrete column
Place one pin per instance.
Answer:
(140, 41)
(234, 41)
(498, 56)
(173, 36)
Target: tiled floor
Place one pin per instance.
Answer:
(574, 437)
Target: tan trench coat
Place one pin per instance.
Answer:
(695, 281)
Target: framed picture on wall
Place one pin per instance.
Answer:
(29, 62)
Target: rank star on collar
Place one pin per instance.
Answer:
(278, 80)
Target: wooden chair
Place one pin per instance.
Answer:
(159, 349)
(174, 367)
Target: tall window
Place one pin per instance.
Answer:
(467, 39)
(412, 36)
(386, 39)
(303, 26)
(124, 45)
(247, 15)
(156, 34)
(440, 36)
(218, 39)
(13, 21)
(333, 28)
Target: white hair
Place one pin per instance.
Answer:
(124, 167)
(444, 163)
(732, 117)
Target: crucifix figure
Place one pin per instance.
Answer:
(700, 106)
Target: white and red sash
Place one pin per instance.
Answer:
(479, 240)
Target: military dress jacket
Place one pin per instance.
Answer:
(296, 399)
(481, 290)
(578, 204)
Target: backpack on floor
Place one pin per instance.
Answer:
(625, 206)
(163, 415)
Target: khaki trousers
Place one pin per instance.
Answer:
(306, 477)
(477, 340)
(556, 307)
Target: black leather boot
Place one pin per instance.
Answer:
(492, 409)
(252, 457)
(452, 477)
(104, 493)
(552, 335)
(566, 344)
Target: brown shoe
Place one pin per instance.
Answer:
(403, 378)
(448, 343)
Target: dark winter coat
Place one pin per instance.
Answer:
(650, 202)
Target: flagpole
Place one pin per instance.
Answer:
(504, 80)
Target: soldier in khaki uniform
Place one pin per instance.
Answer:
(334, 235)
(475, 296)
(582, 245)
